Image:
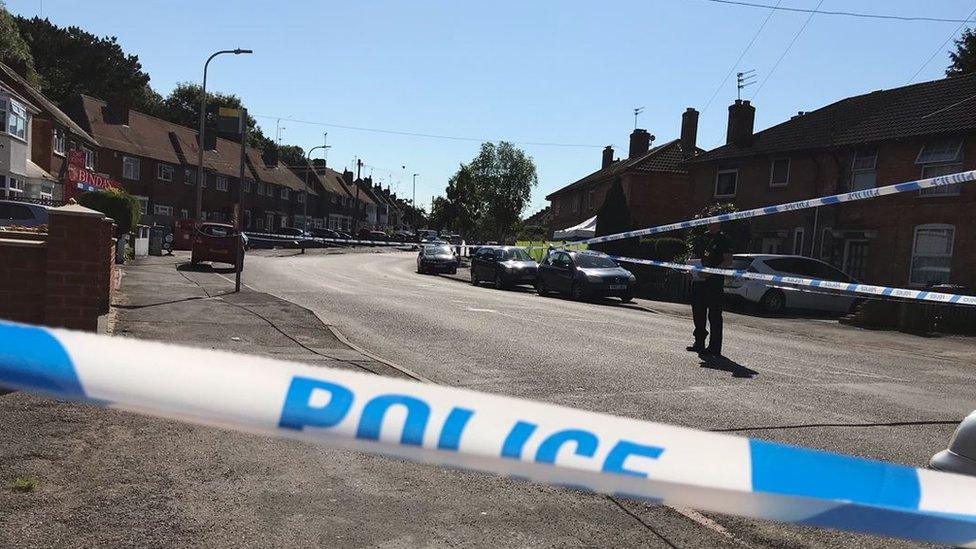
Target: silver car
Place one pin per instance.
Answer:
(22, 214)
(776, 297)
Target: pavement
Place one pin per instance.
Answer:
(109, 478)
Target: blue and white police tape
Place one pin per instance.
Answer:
(461, 428)
(284, 238)
(940, 181)
(841, 287)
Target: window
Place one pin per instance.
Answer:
(779, 172)
(221, 183)
(89, 158)
(58, 141)
(269, 220)
(863, 174)
(284, 193)
(772, 245)
(247, 185)
(283, 220)
(184, 214)
(143, 204)
(300, 197)
(935, 170)
(247, 219)
(189, 176)
(798, 235)
(17, 120)
(945, 150)
(204, 180)
(160, 209)
(932, 254)
(13, 186)
(164, 172)
(726, 182)
(130, 167)
(261, 190)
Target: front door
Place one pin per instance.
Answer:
(855, 258)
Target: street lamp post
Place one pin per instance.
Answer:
(308, 161)
(203, 117)
(414, 202)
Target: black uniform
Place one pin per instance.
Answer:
(707, 295)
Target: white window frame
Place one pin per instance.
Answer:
(772, 166)
(931, 226)
(284, 193)
(143, 204)
(131, 167)
(247, 185)
(58, 141)
(164, 172)
(221, 184)
(718, 175)
(300, 197)
(261, 188)
(855, 171)
(89, 158)
(14, 185)
(17, 120)
(944, 190)
(189, 176)
(800, 233)
(184, 213)
(162, 209)
(946, 160)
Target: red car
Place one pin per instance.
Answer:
(217, 242)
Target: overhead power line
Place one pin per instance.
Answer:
(426, 135)
(845, 13)
(788, 48)
(941, 48)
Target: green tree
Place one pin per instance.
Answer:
(71, 61)
(292, 155)
(738, 231)
(614, 217)
(462, 206)
(964, 58)
(14, 51)
(182, 106)
(504, 177)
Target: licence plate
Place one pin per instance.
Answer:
(618, 286)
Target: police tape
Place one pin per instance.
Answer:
(522, 439)
(284, 238)
(940, 181)
(842, 287)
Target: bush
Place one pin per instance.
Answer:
(662, 249)
(121, 206)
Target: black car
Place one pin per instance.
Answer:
(584, 274)
(437, 258)
(504, 265)
(291, 231)
(324, 233)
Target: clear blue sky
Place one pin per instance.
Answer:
(541, 71)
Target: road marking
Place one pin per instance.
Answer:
(476, 310)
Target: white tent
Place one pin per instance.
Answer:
(586, 229)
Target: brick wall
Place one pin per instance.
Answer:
(65, 280)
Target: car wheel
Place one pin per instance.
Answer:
(474, 278)
(540, 287)
(577, 291)
(453, 271)
(420, 270)
(500, 281)
(773, 301)
(626, 298)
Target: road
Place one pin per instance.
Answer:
(880, 395)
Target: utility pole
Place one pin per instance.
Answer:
(240, 203)
(200, 134)
(359, 167)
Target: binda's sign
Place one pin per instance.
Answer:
(78, 179)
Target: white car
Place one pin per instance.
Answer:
(776, 297)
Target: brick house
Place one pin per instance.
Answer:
(50, 134)
(155, 160)
(655, 180)
(871, 140)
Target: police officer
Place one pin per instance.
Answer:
(707, 291)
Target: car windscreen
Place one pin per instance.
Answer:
(437, 250)
(513, 254)
(216, 230)
(591, 261)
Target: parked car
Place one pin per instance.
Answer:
(377, 235)
(216, 242)
(437, 258)
(775, 298)
(291, 231)
(22, 214)
(324, 233)
(584, 274)
(505, 266)
(344, 236)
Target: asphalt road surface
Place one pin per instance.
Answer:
(811, 382)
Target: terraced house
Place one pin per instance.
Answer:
(880, 138)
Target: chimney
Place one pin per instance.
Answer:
(117, 112)
(640, 143)
(689, 131)
(347, 176)
(607, 156)
(742, 116)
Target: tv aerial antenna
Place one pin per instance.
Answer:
(743, 79)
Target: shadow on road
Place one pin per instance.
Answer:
(205, 268)
(728, 365)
